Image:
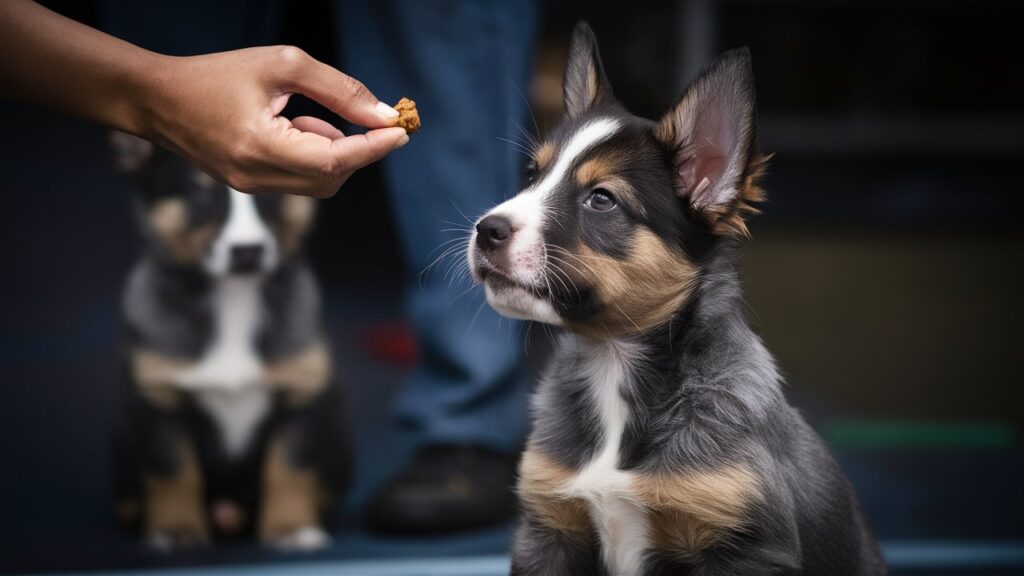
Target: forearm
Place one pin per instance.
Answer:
(221, 111)
(53, 61)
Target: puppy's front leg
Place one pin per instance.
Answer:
(290, 510)
(540, 550)
(174, 513)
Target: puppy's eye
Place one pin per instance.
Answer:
(531, 171)
(600, 200)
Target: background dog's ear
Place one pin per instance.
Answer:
(711, 131)
(585, 83)
(131, 153)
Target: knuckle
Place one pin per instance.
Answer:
(291, 56)
(355, 90)
(331, 171)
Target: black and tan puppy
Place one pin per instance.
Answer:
(661, 442)
(229, 422)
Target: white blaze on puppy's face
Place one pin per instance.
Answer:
(244, 227)
(525, 256)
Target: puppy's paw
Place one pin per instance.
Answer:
(305, 539)
(171, 540)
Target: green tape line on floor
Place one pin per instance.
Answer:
(891, 434)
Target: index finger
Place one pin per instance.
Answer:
(338, 92)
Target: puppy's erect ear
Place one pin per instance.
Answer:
(711, 133)
(585, 83)
(131, 153)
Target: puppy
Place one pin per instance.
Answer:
(229, 423)
(661, 441)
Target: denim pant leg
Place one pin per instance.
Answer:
(466, 64)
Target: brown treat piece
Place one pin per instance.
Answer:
(408, 117)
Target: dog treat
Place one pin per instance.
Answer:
(408, 117)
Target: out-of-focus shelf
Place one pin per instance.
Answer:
(809, 135)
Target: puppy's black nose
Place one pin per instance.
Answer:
(246, 258)
(492, 231)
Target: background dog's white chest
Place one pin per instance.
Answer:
(621, 522)
(229, 382)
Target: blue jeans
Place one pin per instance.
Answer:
(466, 63)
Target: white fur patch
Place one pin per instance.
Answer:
(305, 539)
(525, 212)
(237, 414)
(244, 227)
(588, 136)
(621, 520)
(518, 303)
(230, 379)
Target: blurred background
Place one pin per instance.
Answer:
(885, 274)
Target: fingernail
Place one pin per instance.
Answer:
(386, 111)
(402, 141)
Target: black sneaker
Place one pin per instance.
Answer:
(447, 488)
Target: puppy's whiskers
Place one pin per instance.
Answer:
(518, 147)
(453, 247)
(529, 108)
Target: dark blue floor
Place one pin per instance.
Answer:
(920, 558)
(66, 242)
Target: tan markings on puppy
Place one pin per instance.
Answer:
(541, 482)
(690, 512)
(731, 218)
(303, 375)
(154, 376)
(596, 169)
(637, 293)
(174, 503)
(296, 218)
(291, 496)
(169, 219)
(544, 155)
(600, 171)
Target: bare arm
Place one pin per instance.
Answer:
(221, 111)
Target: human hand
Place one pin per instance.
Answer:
(222, 111)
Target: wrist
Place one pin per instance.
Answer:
(146, 92)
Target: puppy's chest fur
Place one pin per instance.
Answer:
(609, 492)
(635, 512)
(229, 381)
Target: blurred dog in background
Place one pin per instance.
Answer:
(229, 423)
